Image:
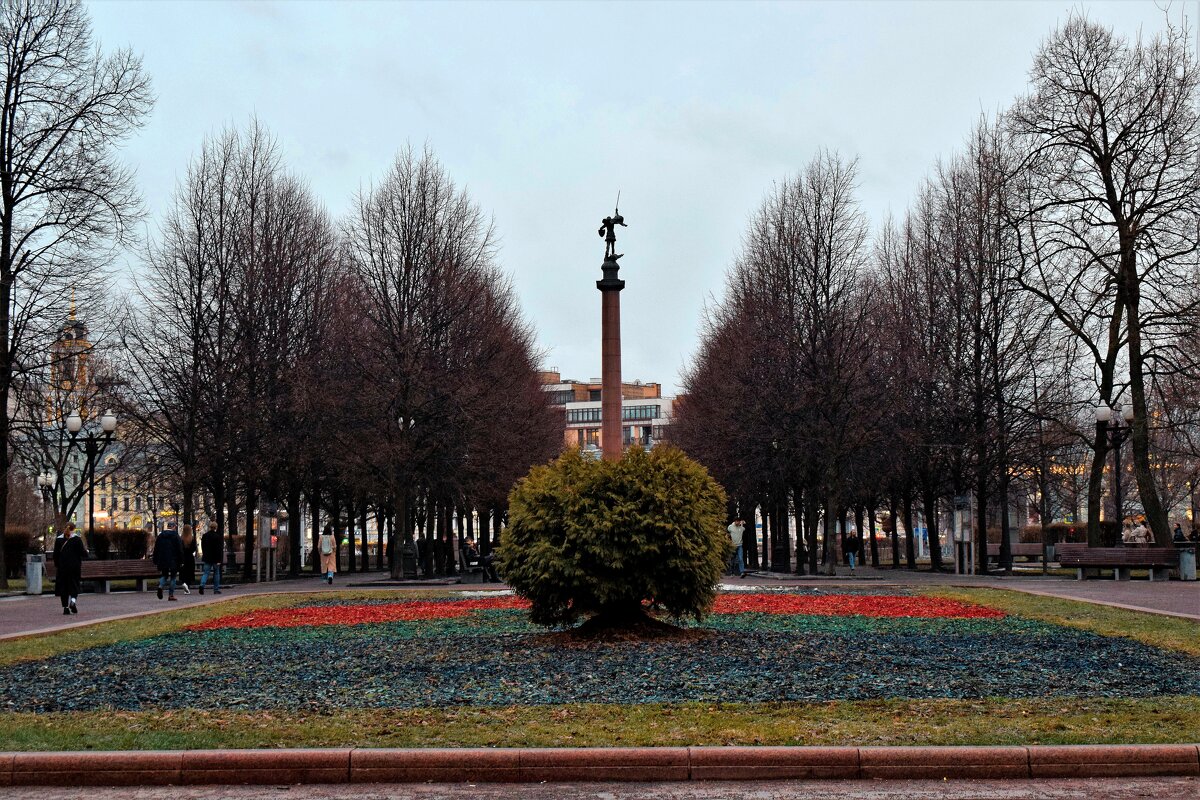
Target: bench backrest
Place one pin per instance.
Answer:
(1082, 555)
(115, 568)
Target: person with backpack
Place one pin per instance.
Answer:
(327, 546)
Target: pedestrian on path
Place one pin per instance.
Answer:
(187, 565)
(327, 544)
(737, 530)
(168, 553)
(69, 553)
(212, 556)
(853, 548)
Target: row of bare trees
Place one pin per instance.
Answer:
(268, 353)
(1048, 267)
(377, 366)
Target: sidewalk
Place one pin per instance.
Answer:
(22, 615)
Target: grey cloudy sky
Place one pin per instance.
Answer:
(544, 110)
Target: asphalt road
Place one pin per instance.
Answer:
(1114, 788)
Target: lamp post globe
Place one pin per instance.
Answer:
(108, 423)
(74, 422)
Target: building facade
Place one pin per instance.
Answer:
(645, 413)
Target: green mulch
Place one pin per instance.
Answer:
(877, 722)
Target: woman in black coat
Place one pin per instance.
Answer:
(69, 553)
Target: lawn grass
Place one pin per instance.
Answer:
(1174, 633)
(860, 723)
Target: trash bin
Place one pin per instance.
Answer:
(1187, 564)
(35, 563)
(408, 560)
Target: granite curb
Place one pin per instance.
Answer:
(538, 765)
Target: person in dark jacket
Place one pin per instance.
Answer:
(212, 556)
(69, 554)
(853, 547)
(168, 553)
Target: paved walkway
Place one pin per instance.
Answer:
(1054, 789)
(22, 615)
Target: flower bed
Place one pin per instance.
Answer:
(482, 651)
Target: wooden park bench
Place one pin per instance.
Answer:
(103, 573)
(471, 569)
(1030, 551)
(1159, 561)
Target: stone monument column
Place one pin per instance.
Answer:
(612, 441)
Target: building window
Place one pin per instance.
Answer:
(583, 415)
(560, 397)
(639, 412)
(137, 503)
(103, 503)
(579, 436)
(126, 503)
(594, 394)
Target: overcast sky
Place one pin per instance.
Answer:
(543, 111)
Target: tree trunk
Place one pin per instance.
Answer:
(831, 536)
(874, 543)
(910, 555)
(981, 525)
(380, 526)
(430, 536)
(294, 527)
(1006, 559)
(314, 506)
(231, 500)
(401, 533)
(351, 521)
(931, 526)
(894, 511)
(1156, 514)
(251, 499)
(811, 512)
(362, 520)
(858, 528)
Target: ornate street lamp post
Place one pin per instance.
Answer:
(1108, 423)
(93, 445)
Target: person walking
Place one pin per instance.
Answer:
(69, 554)
(212, 556)
(327, 545)
(737, 530)
(1177, 534)
(187, 565)
(853, 548)
(168, 553)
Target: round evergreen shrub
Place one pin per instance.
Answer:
(604, 537)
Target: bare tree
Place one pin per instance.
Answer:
(1113, 171)
(65, 201)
